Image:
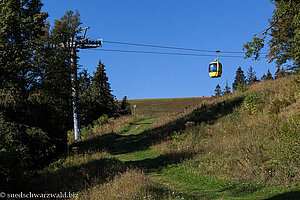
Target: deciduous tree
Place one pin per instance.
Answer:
(284, 33)
(280, 73)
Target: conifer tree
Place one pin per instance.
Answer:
(251, 77)
(24, 143)
(263, 78)
(21, 25)
(100, 81)
(218, 91)
(226, 89)
(97, 99)
(55, 87)
(102, 87)
(125, 107)
(269, 75)
(84, 81)
(239, 79)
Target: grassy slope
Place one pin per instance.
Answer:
(243, 146)
(161, 107)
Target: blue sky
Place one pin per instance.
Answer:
(198, 24)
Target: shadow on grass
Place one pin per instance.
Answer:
(120, 144)
(77, 178)
(159, 192)
(156, 164)
(286, 196)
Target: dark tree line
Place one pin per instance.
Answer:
(35, 89)
(96, 99)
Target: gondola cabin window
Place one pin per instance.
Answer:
(215, 69)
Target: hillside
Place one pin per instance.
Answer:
(244, 145)
(164, 106)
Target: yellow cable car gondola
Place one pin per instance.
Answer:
(215, 68)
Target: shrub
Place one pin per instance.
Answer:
(252, 103)
(101, 120)
(22, 149)
(241, 87)
(86, 131)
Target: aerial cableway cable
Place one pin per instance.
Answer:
(164, 53)
(174, 48)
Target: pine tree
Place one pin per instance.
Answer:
(269, 76)
(218, 91)
(100, 81)
(125, 107)
(263, 78)
(84, 82)
(24, 144)
(239, 80)
(21, 25)
(97, 98)
(55, 86)
(227, 89)
(251, 77)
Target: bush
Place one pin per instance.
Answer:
(101, 120)
(252, 103)
(241, 87)
(86, 131)
(22, 149)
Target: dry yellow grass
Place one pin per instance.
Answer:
(237, 145)
(113, 125)
(258, 147)
(125, 186)
(252, 147)
(164, 106)
(255, 147)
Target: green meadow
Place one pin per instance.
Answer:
(243, 145)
